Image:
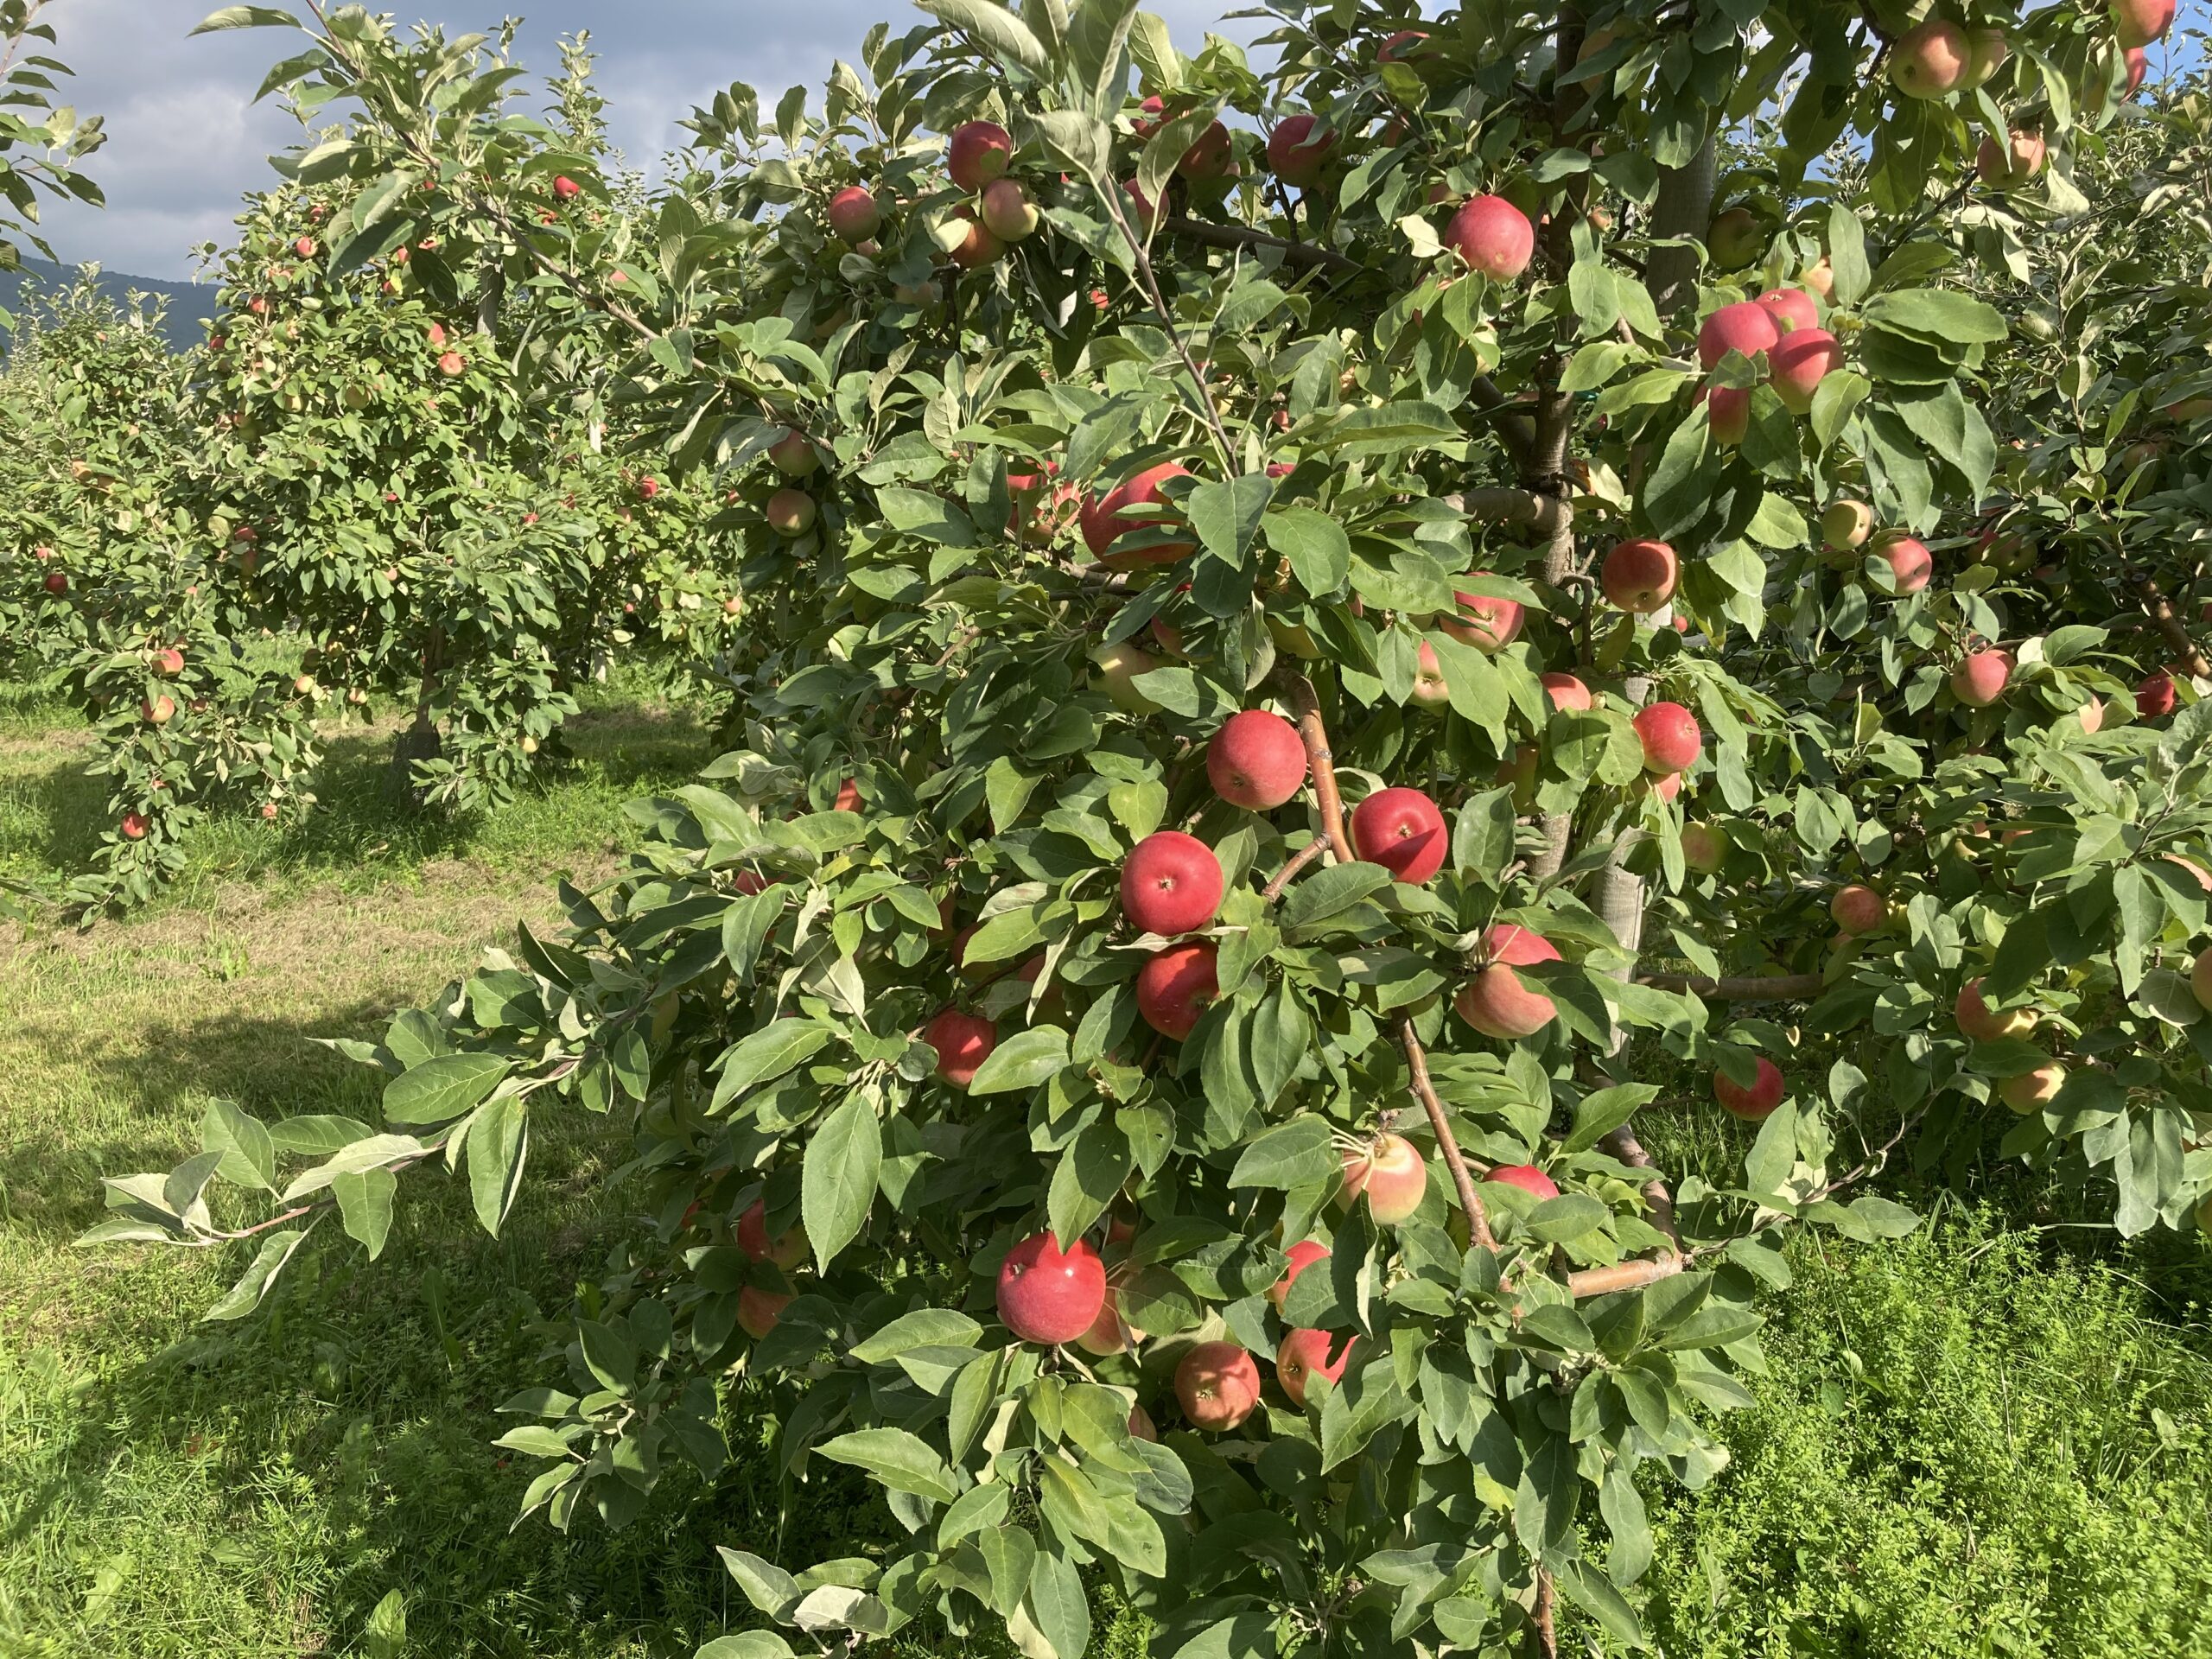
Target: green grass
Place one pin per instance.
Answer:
(1990, 1439)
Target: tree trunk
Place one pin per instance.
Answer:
(421, 741)
(1684, 208)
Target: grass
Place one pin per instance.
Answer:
(1990, 1439)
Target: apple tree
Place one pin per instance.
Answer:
(1317, 640)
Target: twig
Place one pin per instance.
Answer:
(1547, 1630)
(1239, 236)
(1455, 1159)
(1305, 856)
(1110, 193)
(1777, 987)
(1547, 514)
(2161, 612)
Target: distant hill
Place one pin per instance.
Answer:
(191, 304)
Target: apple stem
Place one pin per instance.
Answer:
(1305, 856)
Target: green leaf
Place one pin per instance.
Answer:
(1367, 1401)
(778, 1047)
(837, 1180)
(1226, 516)
(365, 1200)
(902, 1461)
(246, 17)
(1023, 1061)
(316, 1134)
(1056, 1603)
(746, 1645)
(1320, 894)
(246, 1295)
(1247, 1636)
(249, 1151)
(1318, 551)
(1938, 314)
(442, 1090)
(498, 1141)
(766, 1586)
(1482, 837)
(1297, 1152)
(993, 28)
(924, 1327)
(1598, 1114)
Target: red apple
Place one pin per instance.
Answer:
(1746, 326)
(168, 664)
(1858, 909)
(980, 151)
(1304, 1355)
(1729, 414)
(1790, 308)
(1758, 1101)
(1217, 1385)
(758, 1312)
(1009, 214)
(1640, 575)
(2008, 166)
(1209, 157)
(1978, 1021)
(791, 512)
(1800, 363)
(1047, 1296)
(2155, 696)
(1496, 1002)
(1401, 831)
(2138, 23)
(55, 582)
(979, 247)
(1141, 1426)
(1176, 986)
(1980, 679)
(1487, 624)
(451, 364)
(1304, 1254)
(1401, 46)
(566, 187)
(963, 1042)
(1430, 689)
(2139, 66)
(787, 1250)
(1392, 1176)
(1256, 761)
(159, 711)
(1493, 236)
(853, 215)
(1565, 691)
(1102, 521)
(134, 827)
(1170, 884)
(1295, 154)
(1527, 1177)
(1669, 733)
(1911, 563)
(1931, 58)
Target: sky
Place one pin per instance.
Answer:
(186, 141)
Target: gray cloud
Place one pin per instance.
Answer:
(186, 142)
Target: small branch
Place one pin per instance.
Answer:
(1305, 856)
(1625, 1275)
(1523, 508)
(1778, 987)
(1624, 1145)
(1455, 1159)
(1520, 436)
(2161, 612)
(1305, 708)
(1238, 236)
(1109, 194)
(1547, 1630)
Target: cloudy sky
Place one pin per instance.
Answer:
(185, 140)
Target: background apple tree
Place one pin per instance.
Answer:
(1306, 635)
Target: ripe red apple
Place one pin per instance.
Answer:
(566, 187)
(55, 582)
(1108, 1333)
(1256, 761)
(1746, 326)
(2033, 1090)
(1304, 1355)
(1565, 691)
(1295, 154)
(1858, 909)
(1790, 308)
(1303, 1254)
(1931, 58)
(1493, 236)
(1847, 524)
(1009, 214)
(159, 711)
(304, 247)
(1487, 624)
(2139, 66)
(1047, 1296)
(758, 1312)
(451, 364)
(791, 512)
(1981, 678)
(1103, 522)
(1401, 831)
(2138, 23)
(853, 215)
(2011, 165)
(963, 1042)
(980, 151)
(794, 455)
(1401, 46)
(787, 1250)
(1799, 364)
(1217, 1386)
(1176, 987)
(1391, 1175)
(1729, 414)
(1430, 689)
(1170, 884)
(979, 247)
(648, 488)
(1141, 1426)
(1755, 1102)
(1911, 563)
(134, 827)
(1639, 576)
(1527, 1177)
(1496, 1002)
(1209, 157)
(2155, 696)
(1669, 733)
(168, 664)
(1978, 1021)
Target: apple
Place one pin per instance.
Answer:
(168, 664)
(1401, 831)
(921, 293)
(1104, 523)
(1118, 667)
(304, 247)
(1391, 1175)
(1669, 733)
(1176, 986)
(2011, 165)
(787, 1250)
(1989, 47)
(1487, 624)
(1858, 909)
(1977, 1021)
(1295, 154)
(854, 217)
(1493, 236)
(159, 711)
(1847, 524)
(2032, 1091)
(1009, 214)
(1170, 884)
(1639, 575)
(1304, 1355)
(1729, 415)
(1303, 1254)
(1047, 1296)
(1798, 364)
(1209, 157)
(1981, 678)
(55, 582)
(979, 152)
(1790, 308)
(1144, 211)
(791, 512)
(1217, 1386)
(1496, 1002)
(1256, 761)
(1402, 47)
(978, 247)
(2139, 66)
(1735, 239)
(2136, 24)
(1527, 1177)
(793, 455)
(2155, 696)
(1565, 691)
(1141, 1426)
(134, 827)
(566, 187)
(758, 1312)
(1108, 1334)
(1931, 58)
(1430, 689)
(1746, 326)
(2200, 977)
(451, 364)
(1755, 1102)
(1911, 563)
(963, 1042)
(1704, 847)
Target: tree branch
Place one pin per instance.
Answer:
(1305, 710)
(1239, 236)
(1524, 508)
(1305, 856)
(1775, 987)
(2161, 612)
(1462, 1179)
